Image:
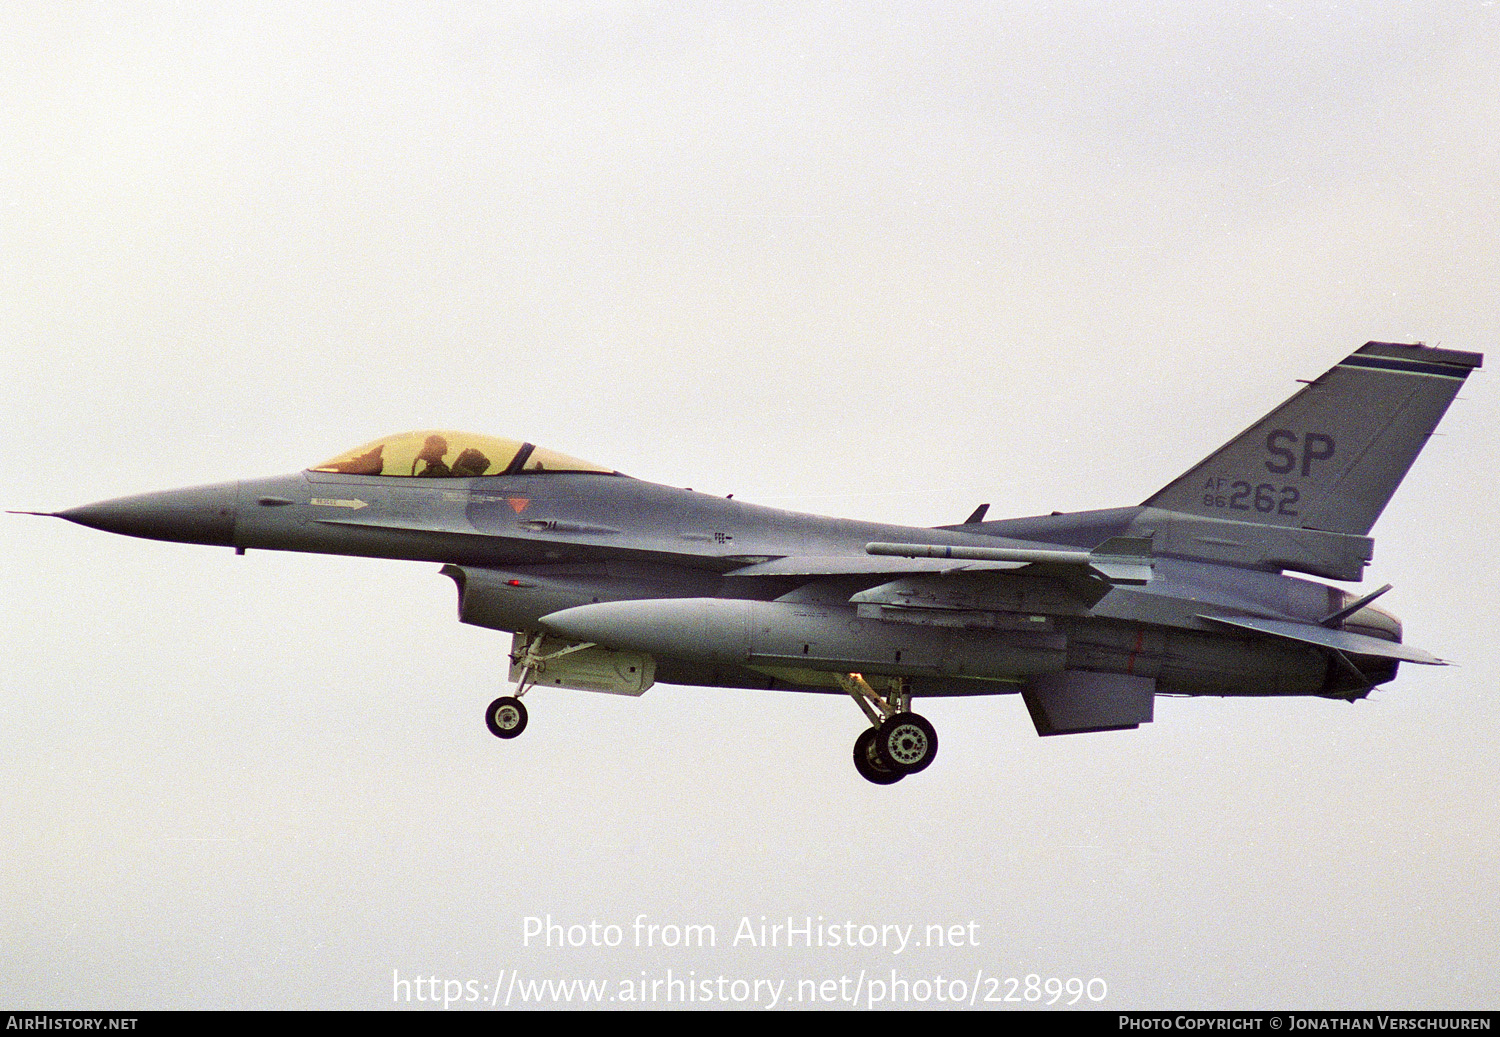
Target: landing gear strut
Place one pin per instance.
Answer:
(898, 742)
(506, 716)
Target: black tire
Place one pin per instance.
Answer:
(867, 762)
(506, 717)
(906, 743)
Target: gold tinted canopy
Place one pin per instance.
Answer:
(435, 454)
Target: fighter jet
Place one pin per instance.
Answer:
(608, 583)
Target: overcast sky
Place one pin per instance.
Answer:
(887, 261)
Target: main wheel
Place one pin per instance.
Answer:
(906, 743)
(868, 762)
(506, 717)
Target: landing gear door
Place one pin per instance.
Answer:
(559, 663)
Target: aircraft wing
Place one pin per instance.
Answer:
(1343, 640)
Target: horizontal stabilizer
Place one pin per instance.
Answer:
(1342, 640)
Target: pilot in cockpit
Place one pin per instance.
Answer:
(432, 452)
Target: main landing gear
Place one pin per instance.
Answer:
(898, 742)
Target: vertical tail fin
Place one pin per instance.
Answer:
(1330, 457)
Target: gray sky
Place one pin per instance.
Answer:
(881, 261)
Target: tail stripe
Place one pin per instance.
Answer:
(1407, 366)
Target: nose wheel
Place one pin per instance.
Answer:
(505, 717)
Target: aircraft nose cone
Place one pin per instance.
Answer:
(199, 515)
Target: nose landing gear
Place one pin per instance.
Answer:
(506, 716)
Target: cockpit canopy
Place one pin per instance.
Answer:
(434, 454)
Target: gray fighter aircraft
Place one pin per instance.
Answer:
(608, 583)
